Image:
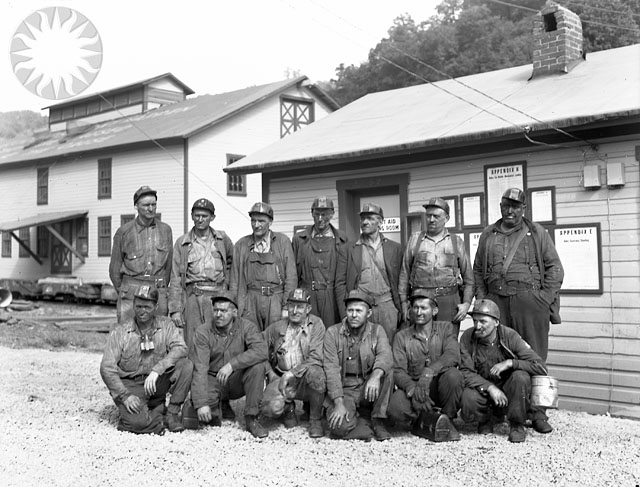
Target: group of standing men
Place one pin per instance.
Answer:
(360, 329)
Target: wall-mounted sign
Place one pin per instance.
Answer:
(452, 201)
(474, 238)
(580, 251)
(472, 206)
(390, 224)
(541, 203)
(497, 179)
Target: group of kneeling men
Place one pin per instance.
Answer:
(238, 328)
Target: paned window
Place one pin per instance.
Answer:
(104, 178)
(126, 218)
(42, 235)
(236, 183)
(82, 236)
(43, 186)
(295, 113)
(25, 235)
(6, 244)
(104, 236)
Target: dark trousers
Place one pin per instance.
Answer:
(149, 420)
(247, 382)
(357, 405)
(323, 304)
(262, 310)
(445, 392)
(386, 315)
(197, 311)
(517, 388)
(448, 308)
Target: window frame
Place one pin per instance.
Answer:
(82, 236)
(6, 244)
(105, 181)
(295, 121)
(104, 236)
(42, 186)
(24, 234)
(236, 179)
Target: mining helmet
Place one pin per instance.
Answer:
(322, 203)
(372, 208)
(437, 202)
(204, 204)
(224, 296)
(148, 292)
(423, 293)
(515, 194)
(355, 295)
(143, 190)
(486, 307)
(299, 296)
(262, 208)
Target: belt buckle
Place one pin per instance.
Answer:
(266, 290)
(313, 286)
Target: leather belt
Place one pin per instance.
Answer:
(443, 291)
(204, 287)
(513, 288)
(316, 286)
(267, 289)
(157, 282)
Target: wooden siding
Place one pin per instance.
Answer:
(595, 351)
(73, 185)
(243, 134)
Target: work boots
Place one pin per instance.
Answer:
(254, 427)
(289, 417)
(517, 433)
(379, 429)
(174, 423)
(227, 411)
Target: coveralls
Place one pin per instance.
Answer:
(309, 382)
(261, 281)
(348, 364)
(125, 366)
(439, 356)
(476, 362)
(436, 267)
(357, 270)
(242, 346)
(140, 255)
(531, 283)
(200, 269)
(316, 262)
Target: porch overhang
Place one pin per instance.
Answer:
(45, 220)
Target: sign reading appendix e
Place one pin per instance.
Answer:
(390, 224)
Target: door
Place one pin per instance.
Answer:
(61, 255)
(390, 204)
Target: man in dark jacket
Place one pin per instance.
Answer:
(201, 264)
(263, 271)
(358, 365)
(294, 368)
(497, 365)
(518, 268)
(372, 265)
(316, 250)
(228, 358)
(425, 358)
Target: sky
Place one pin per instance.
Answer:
(214, 46)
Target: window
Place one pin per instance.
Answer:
(6, 244)
(42, 236)
(124, 219)
(295, 113)
(82, 236)
(43, 185)
(236, 183)
(25, 235)
(104, 236)
(104, 178)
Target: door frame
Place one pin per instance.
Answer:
(350, 190)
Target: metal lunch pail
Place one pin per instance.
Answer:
(544, 391)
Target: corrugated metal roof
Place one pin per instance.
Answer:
(605, 86)
(177, 120)
(41, 219)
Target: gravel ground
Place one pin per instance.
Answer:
(58, 428)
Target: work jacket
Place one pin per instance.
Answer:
(242, 347)
(284, 259)
(181, 249)
(375, 353)
(511, 346)
(311, 343)
(124, 359)
(304, 255)
(410, 361)
(350, 266)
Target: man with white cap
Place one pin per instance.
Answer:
(436, 261)
(497, 365)
(141, 255)
(372, 265)
(316, 249)
(263, 272)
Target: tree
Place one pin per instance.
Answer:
(22, 122)
(473, 36)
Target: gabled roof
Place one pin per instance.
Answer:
(170, 122)
(111, 91)
(429, 116)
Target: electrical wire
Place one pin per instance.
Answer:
(601, 9)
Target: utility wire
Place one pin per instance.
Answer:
(164, 149)
(442, 73)
(586, 5)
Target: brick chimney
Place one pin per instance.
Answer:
(557, 40)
